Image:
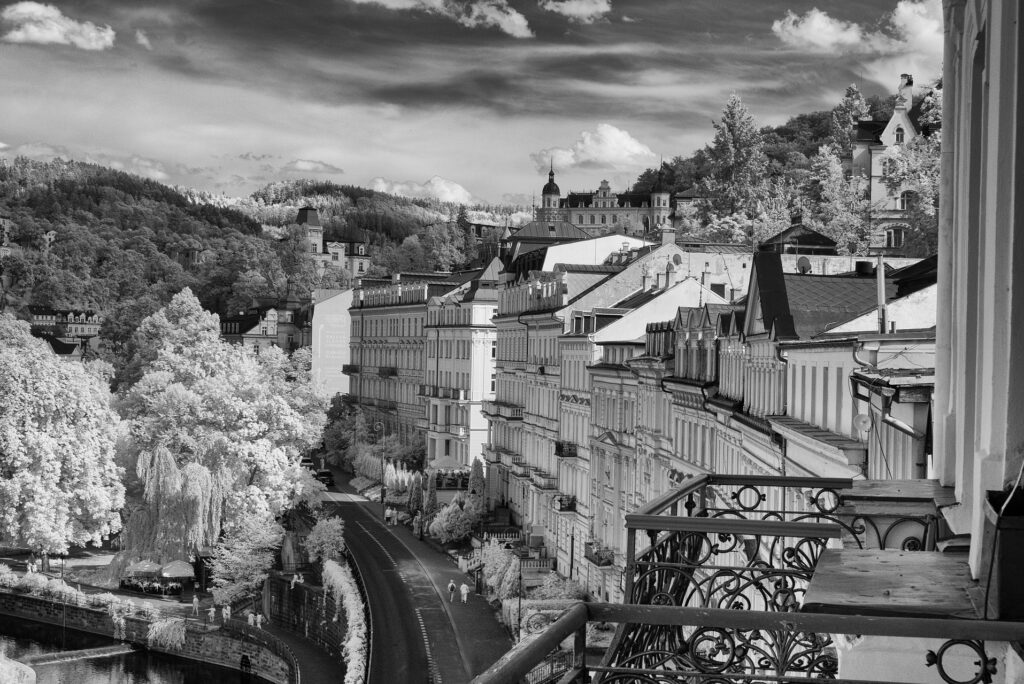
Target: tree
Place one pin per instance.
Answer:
(242, 561)
(430, 505)
(843, 208)
(217, 432)
(416, 494)
(468, 237)
(845, 116)
(326, 541)
(451, 524)
(737, 162)
(60, 485)
(476, 489)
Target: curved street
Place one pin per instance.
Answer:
(418, 634)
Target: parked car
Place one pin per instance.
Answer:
(325, 476)
(307, 462)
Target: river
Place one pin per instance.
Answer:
(20, 638)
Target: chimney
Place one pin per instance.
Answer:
(668, 235)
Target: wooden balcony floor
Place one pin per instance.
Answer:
(891, 584)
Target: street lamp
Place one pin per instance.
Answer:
(378, 427)
(519, 610)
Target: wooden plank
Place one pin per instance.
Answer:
(898, 583)
(896, 490)
(776, 481)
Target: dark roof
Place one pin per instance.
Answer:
(869, 131)
(659, 184)
(308, 216)
(801, 235)
(817, 301)
(688, 193)
(637, 299)
(563, 232)
(910, 279)
(60, 347)
(578, 199)
(550, 188)
(635, 199)
(588, 268)
(694, 244)
(37, 310)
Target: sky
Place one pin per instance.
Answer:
(467, 101)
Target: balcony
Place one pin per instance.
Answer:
(460, 431)
(566, 449)
(542, 480)
(453, 393)
(422, 424)
(387, 371)
(521, 470)
(491, 454)
(600, 557)
(748, 579)
(386, 405)
(509, 458)
(502, 411)
(350, 368)
(426, 391)
(565, 503)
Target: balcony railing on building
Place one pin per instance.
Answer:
(509, 458)
(566, 449)
(387, 371)
(544, 480)
(749, 579)
(565, 503)
(521, 470)
(438, 392)
(350, 368)
(598, 555)
(502, 410)
(386, 405)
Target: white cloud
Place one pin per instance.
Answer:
(437, 188)
(310, 166)
(606, 147)
(34, 22)
(477, 13)
(909, 40)
(142, 39)
(583, 11)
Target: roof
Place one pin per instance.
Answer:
(550, 188)
(563, 230)
(869, 131)
(914, 277)
(817, 301)
(308, 216)
(799, 234)
(578, 199)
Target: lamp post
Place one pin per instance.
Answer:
(378, 427)
(519, 609)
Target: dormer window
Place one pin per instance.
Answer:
(899, 135)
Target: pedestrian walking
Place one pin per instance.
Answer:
(212, 612)
(226, 612)
(259, 620)
(451, 591)
(464, 590)
(195, 604)
(252, 619)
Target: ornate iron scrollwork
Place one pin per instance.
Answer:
(986, 666)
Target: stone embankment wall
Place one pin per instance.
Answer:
(207, 645)
(13, 672)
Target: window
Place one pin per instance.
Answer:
(579, 219)
(906, 199)
(334, 256)
(362, 251)
(593, 219)
(615, 218)
(894, 237)
(604, 219)
(360, 266)
(900, 135)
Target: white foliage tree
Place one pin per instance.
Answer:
(59, 484)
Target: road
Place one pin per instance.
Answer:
(413, 640)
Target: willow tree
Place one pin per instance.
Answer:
(59, 483)
(216, 432)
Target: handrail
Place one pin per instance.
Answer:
(358, 575)
(514, 665)
(276, 645)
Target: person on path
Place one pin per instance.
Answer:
(259, 620)
(451, 591)
(226, 612)
(252, 619)
(464, 590)
(212, 612)
(195, 604)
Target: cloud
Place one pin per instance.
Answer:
(472, 14)
(252, 156)
(583, 11)
(437, 188)
(310, 166)
(34, 22)
(142, 39)
(607, 147)
(909, 39)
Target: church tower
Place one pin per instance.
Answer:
(549, 198)
(660, 209)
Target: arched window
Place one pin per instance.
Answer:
(894, 236)
(580, 217)
(604, 219)
(592, 219)
(900, 135)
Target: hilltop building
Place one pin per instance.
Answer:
(351, 255)
(602, 211)
(270, 323)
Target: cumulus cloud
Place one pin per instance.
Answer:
(34, 22)
(142, 39)
(606, 147)
(473, 14)
(583, 11)
(908, 40)
(310, 166)
(437, 188)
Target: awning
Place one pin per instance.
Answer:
(144, 568)
(177, 569)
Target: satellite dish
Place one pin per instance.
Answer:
(862, 422)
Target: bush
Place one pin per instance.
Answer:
(33, 584)
(167, 634)
(555, 587)
(8, 578)
(327, 539)
(338, 580)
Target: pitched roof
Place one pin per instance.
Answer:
(817, 301)
(869, 131)
(563, 230)
(799, 234)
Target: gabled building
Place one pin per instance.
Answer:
(603, 211)
(350, 255)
